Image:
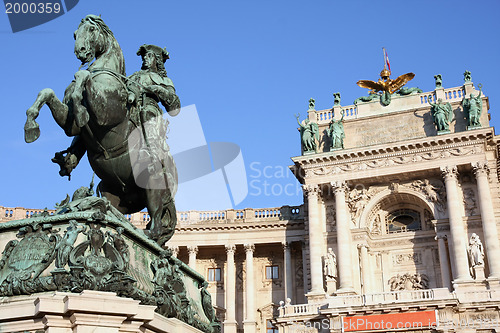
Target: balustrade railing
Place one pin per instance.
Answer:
(140, 219)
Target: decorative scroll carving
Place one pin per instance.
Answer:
(409, 281)
(449, 171)
(311, 189)
(480, 168)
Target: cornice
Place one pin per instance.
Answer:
(240, 226)
(455, 140)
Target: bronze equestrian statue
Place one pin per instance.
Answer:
(103, 109)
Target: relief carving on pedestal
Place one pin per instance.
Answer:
(409, 281)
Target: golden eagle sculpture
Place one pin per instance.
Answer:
(385, 84)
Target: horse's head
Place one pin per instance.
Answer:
(92, 39)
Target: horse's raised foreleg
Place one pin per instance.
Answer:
(59, 112)
(80, 112)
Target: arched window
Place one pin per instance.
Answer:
(403, 220)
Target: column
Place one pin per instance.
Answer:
(490, 231)
(315, 240)
(249, 324)
(365, 268)
(175, 251)
(443, 262)
(230, 288)
(192, 250)
(304, 267)
(457, 232)
(344, 258)
(287, 258)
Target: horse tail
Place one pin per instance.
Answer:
(168, 221)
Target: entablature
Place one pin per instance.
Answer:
(402, 157)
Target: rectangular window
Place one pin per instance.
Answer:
(272, 272)
(214, 274)
(271, 328)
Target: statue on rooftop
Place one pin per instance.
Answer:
(312, 103)
(442, 114)
(372, 95)
(309, 134)
(467, 77)
(336, 133)
(473, 107)
(385, 84)
(336, 99)
(439, 80)
(101, 108)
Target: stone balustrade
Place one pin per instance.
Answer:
(399, 103)
(141, 219)
(392, 297)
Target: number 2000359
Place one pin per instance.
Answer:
(32, 8)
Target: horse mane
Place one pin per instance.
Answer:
(98, 21)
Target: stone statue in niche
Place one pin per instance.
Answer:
(330, 265)
(476, 251)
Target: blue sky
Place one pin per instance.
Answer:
(248, 67)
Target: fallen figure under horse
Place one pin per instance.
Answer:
(117, 121)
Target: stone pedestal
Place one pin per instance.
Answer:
(478, 273)
(331, 286)
(94, 256)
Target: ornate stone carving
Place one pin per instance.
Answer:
(24, 260)
(230, 249)
(409, 281)
(375, 227)
(433, 190)
(330, 216)
(407, 258)
(311, 189)
(480, 168)
(388, 161)
(470, 202)
(449, 171)
(339, 185)
(357, 201)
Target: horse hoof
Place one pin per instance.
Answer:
(31, 131)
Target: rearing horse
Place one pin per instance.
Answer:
(96, 108)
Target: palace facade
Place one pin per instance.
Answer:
(398, 231)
